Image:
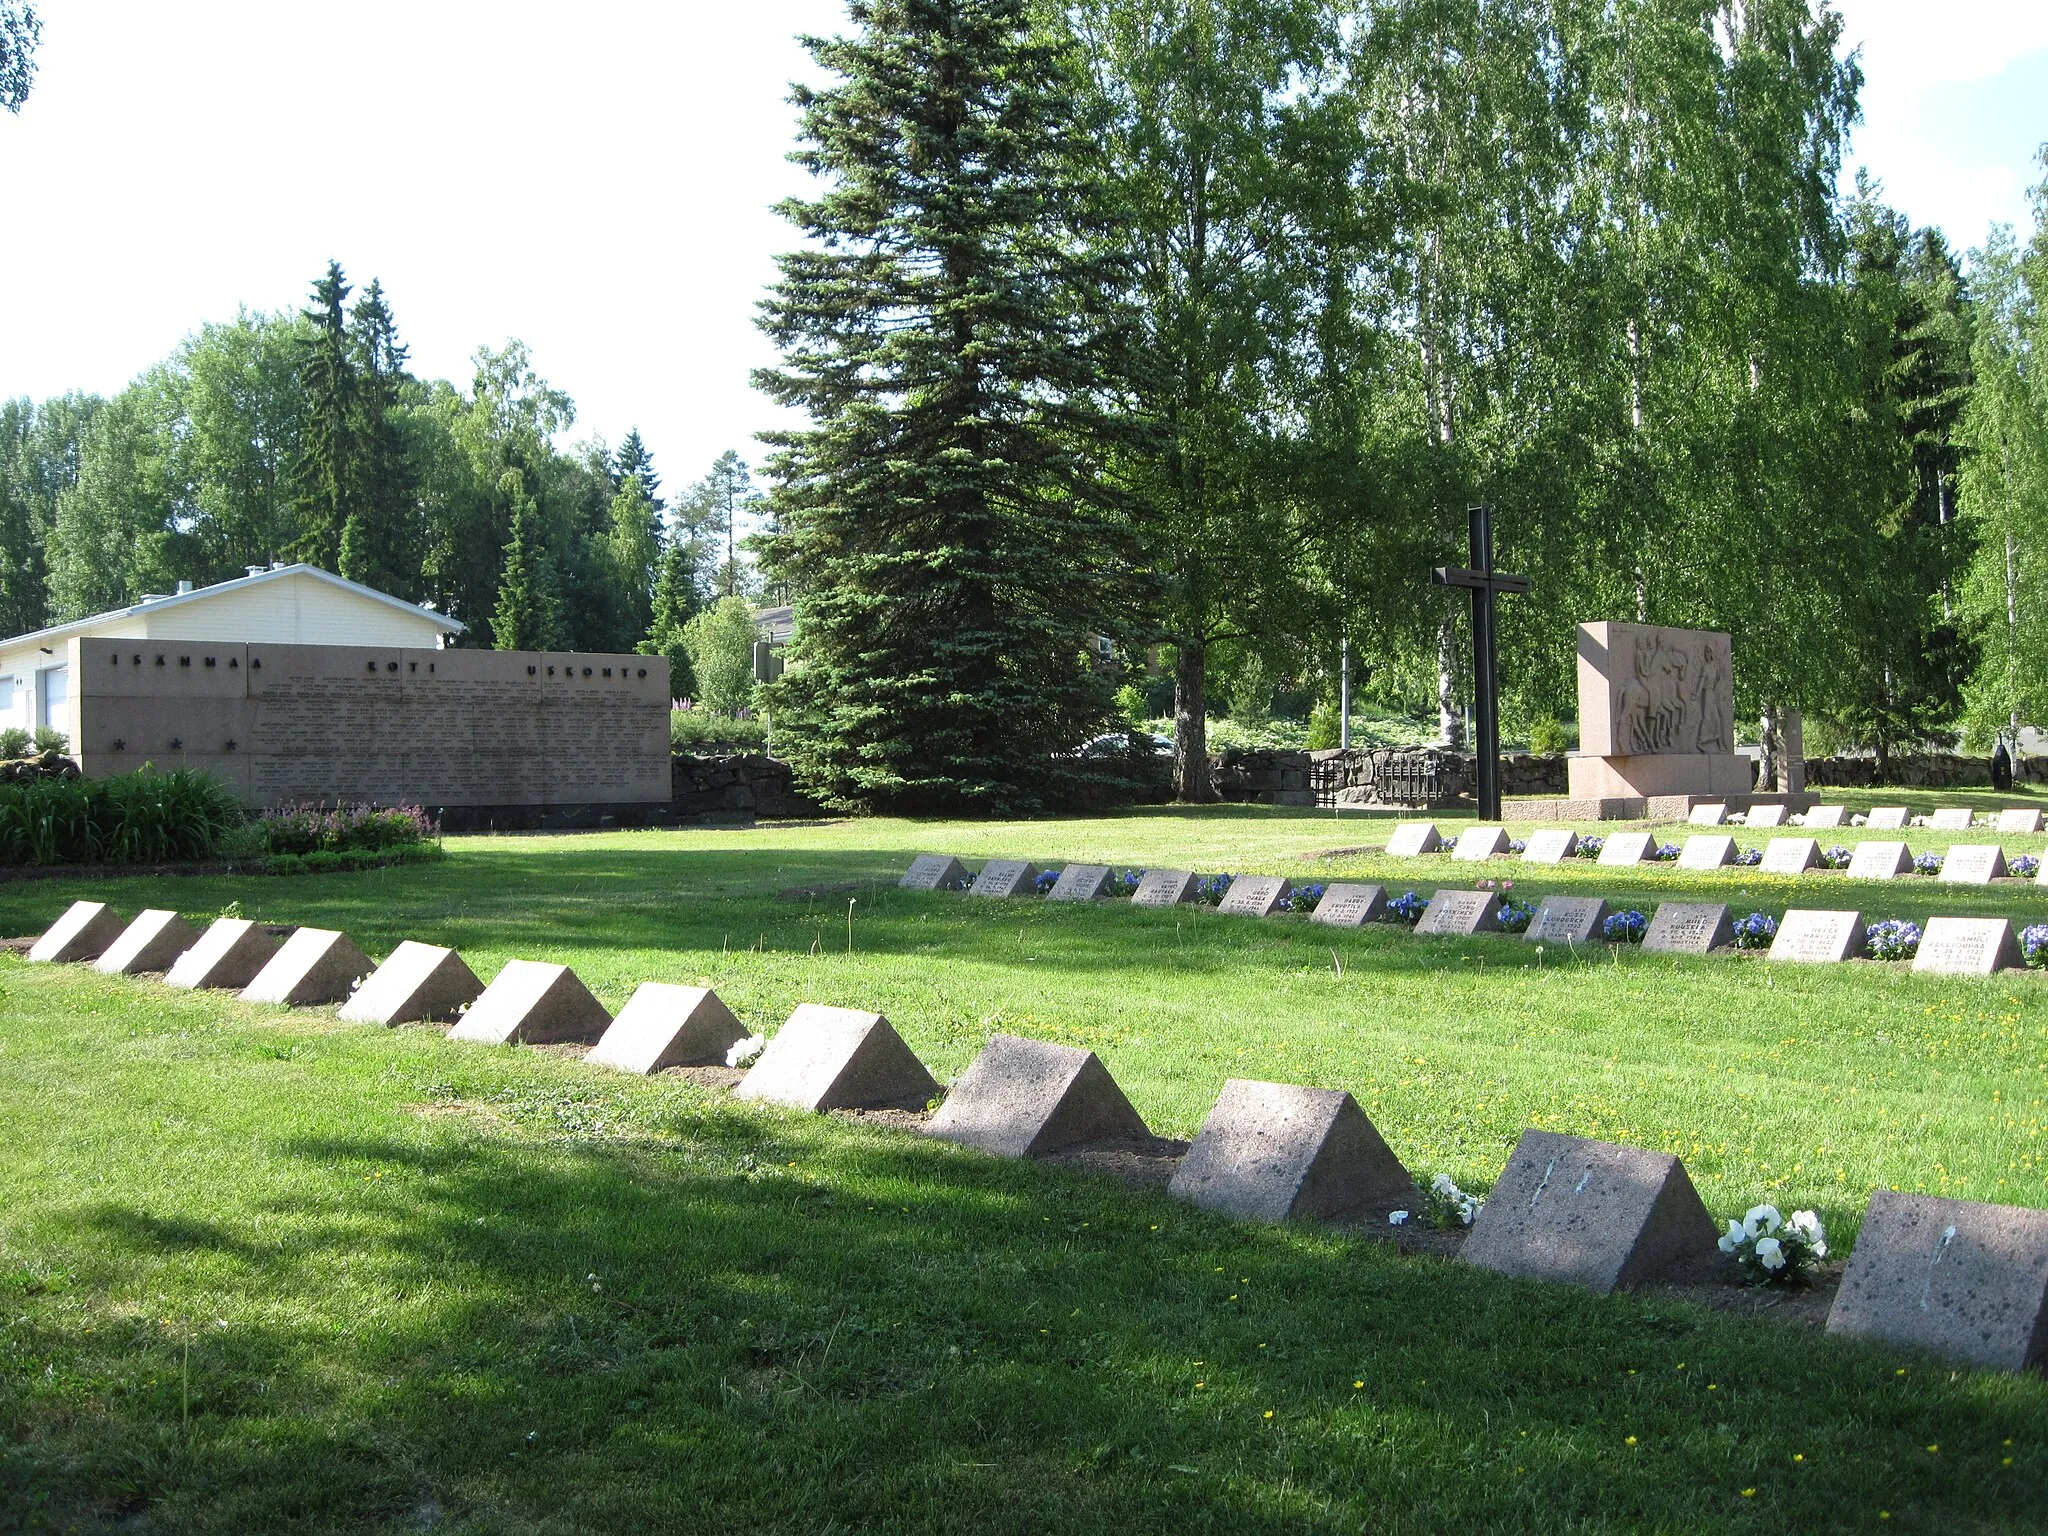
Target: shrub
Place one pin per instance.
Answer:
(720, 641)
(311, 829)
(689, 729)
(1325, 730)
(1547, 738)
(48, 740)
(14, 742)
(134, 818)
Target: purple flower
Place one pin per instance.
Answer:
(1756, 931)
(1625, 928)
(1892, 939)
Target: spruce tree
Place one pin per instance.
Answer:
(634, 462)
(527, 615)
(379, 544)
(325, 476)
(678, 598)
(947, 534)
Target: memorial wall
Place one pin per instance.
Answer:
(335, 723)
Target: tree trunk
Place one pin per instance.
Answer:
(1191, 726)
(1450, 718)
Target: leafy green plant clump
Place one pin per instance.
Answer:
(314, 829)
(133, 818)
(692, 729)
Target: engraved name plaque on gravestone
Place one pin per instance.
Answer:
(1972, 864)
(1790, 856)
(2019, 821)
(1886, 818)
(1164, 888)
(1966, 946)
(1003, 878)
(1826, 815)
(933, 872)
(1954, 818)
(1811, 936)
(1706, 852)
(1414, 837)
(1254, 896)
(1567, 920)
(1879, 861)
(1766, 816)
(1708, 815)
(1480, 843)
(1457, 914)
(1347, 906)
(1626, 848)
(1688, 928)
(1553, 845)
(1081, 882)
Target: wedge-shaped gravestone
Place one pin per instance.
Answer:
(1254, 896)
(1966, 946)
(1459, 913)
(2019, 821)
(837, 1058)
(534, 1003)
(1964, 1280)
(1708, 815)
(1790, 856)
(1886, 817)
(1004, 878)
(84, 932)
(1826, 816)
(1972, 864)
(1954, 818)
(1816, 937)
(1706, 852)
(152, 942)
(1879, 861)
(933, 872)
(314, 965)
(1347, 906)
(1164, 888)
(1626, 848)
(415, 982)
(663, 1026)
(1480, 843)
(1414, 837)
(1688, 928)
(1553, 845)
(1025, 1098)
(1589, 1213)
(1567, 920)
(1765, 816)
(228, 954)
(1277, 1152)
(1081, 882)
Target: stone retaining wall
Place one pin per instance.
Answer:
(1917, 770)
(1420, 776)
(745, 784)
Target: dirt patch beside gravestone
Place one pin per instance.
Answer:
(1143, 1162)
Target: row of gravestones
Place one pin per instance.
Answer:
(1961, 946)
(1963, 864)
(1966, 1279)
(1957, 818)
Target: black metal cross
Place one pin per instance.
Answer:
(1484, 582)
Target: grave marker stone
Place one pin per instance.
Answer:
(415, 982)
(228, 954)
(1627, 848)
(1886, 818)
(1567, 920)
(2019, 820)
(1972, 864)
(1708, 815)
(1826, 816)
(1553, 845)
(83, 932)
(1025, 1098)
(1412, 838)
(1254, 896)
(1879, 861)
(152, 942)
(663, 1026)
(1348, 906)
(1967, 946)
(314, 965)
(1003, 878)
(533, 1003)
(1706, 852)
(1164, 888)
(1590, 1213)
(1765, 816)
(1955, 818)
(837, 1058)
(1081, 882)
(1459, 914)
(1790, 856)
(933, 872)
(1688, 928)
(1814, 937)
(1277, 1152)
(1480, 843)
(1965, 1280)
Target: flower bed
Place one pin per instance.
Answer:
(1756, 931)
(1892, 939)
(1625, 928)
(308, 829)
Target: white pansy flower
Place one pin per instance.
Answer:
(1770, 1253)
(744, 1051)
(1734, 1237)
(1761, 1221)
(1396, 1218)
(1444, 1184)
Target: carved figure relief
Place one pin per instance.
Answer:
(1675, 694)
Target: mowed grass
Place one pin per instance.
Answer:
(267, 1271)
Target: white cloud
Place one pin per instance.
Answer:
(1946, 43)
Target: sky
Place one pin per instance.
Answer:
(598, 180)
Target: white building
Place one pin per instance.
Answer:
(277, 605)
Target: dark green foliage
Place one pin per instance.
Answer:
(133, 818)
(20, 30)
(379, 544)
(527, 615)
(678, 598)
(326, 479)
(949, 534)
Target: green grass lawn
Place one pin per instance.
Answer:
(265, 1271)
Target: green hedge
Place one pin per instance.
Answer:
(134, 818)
